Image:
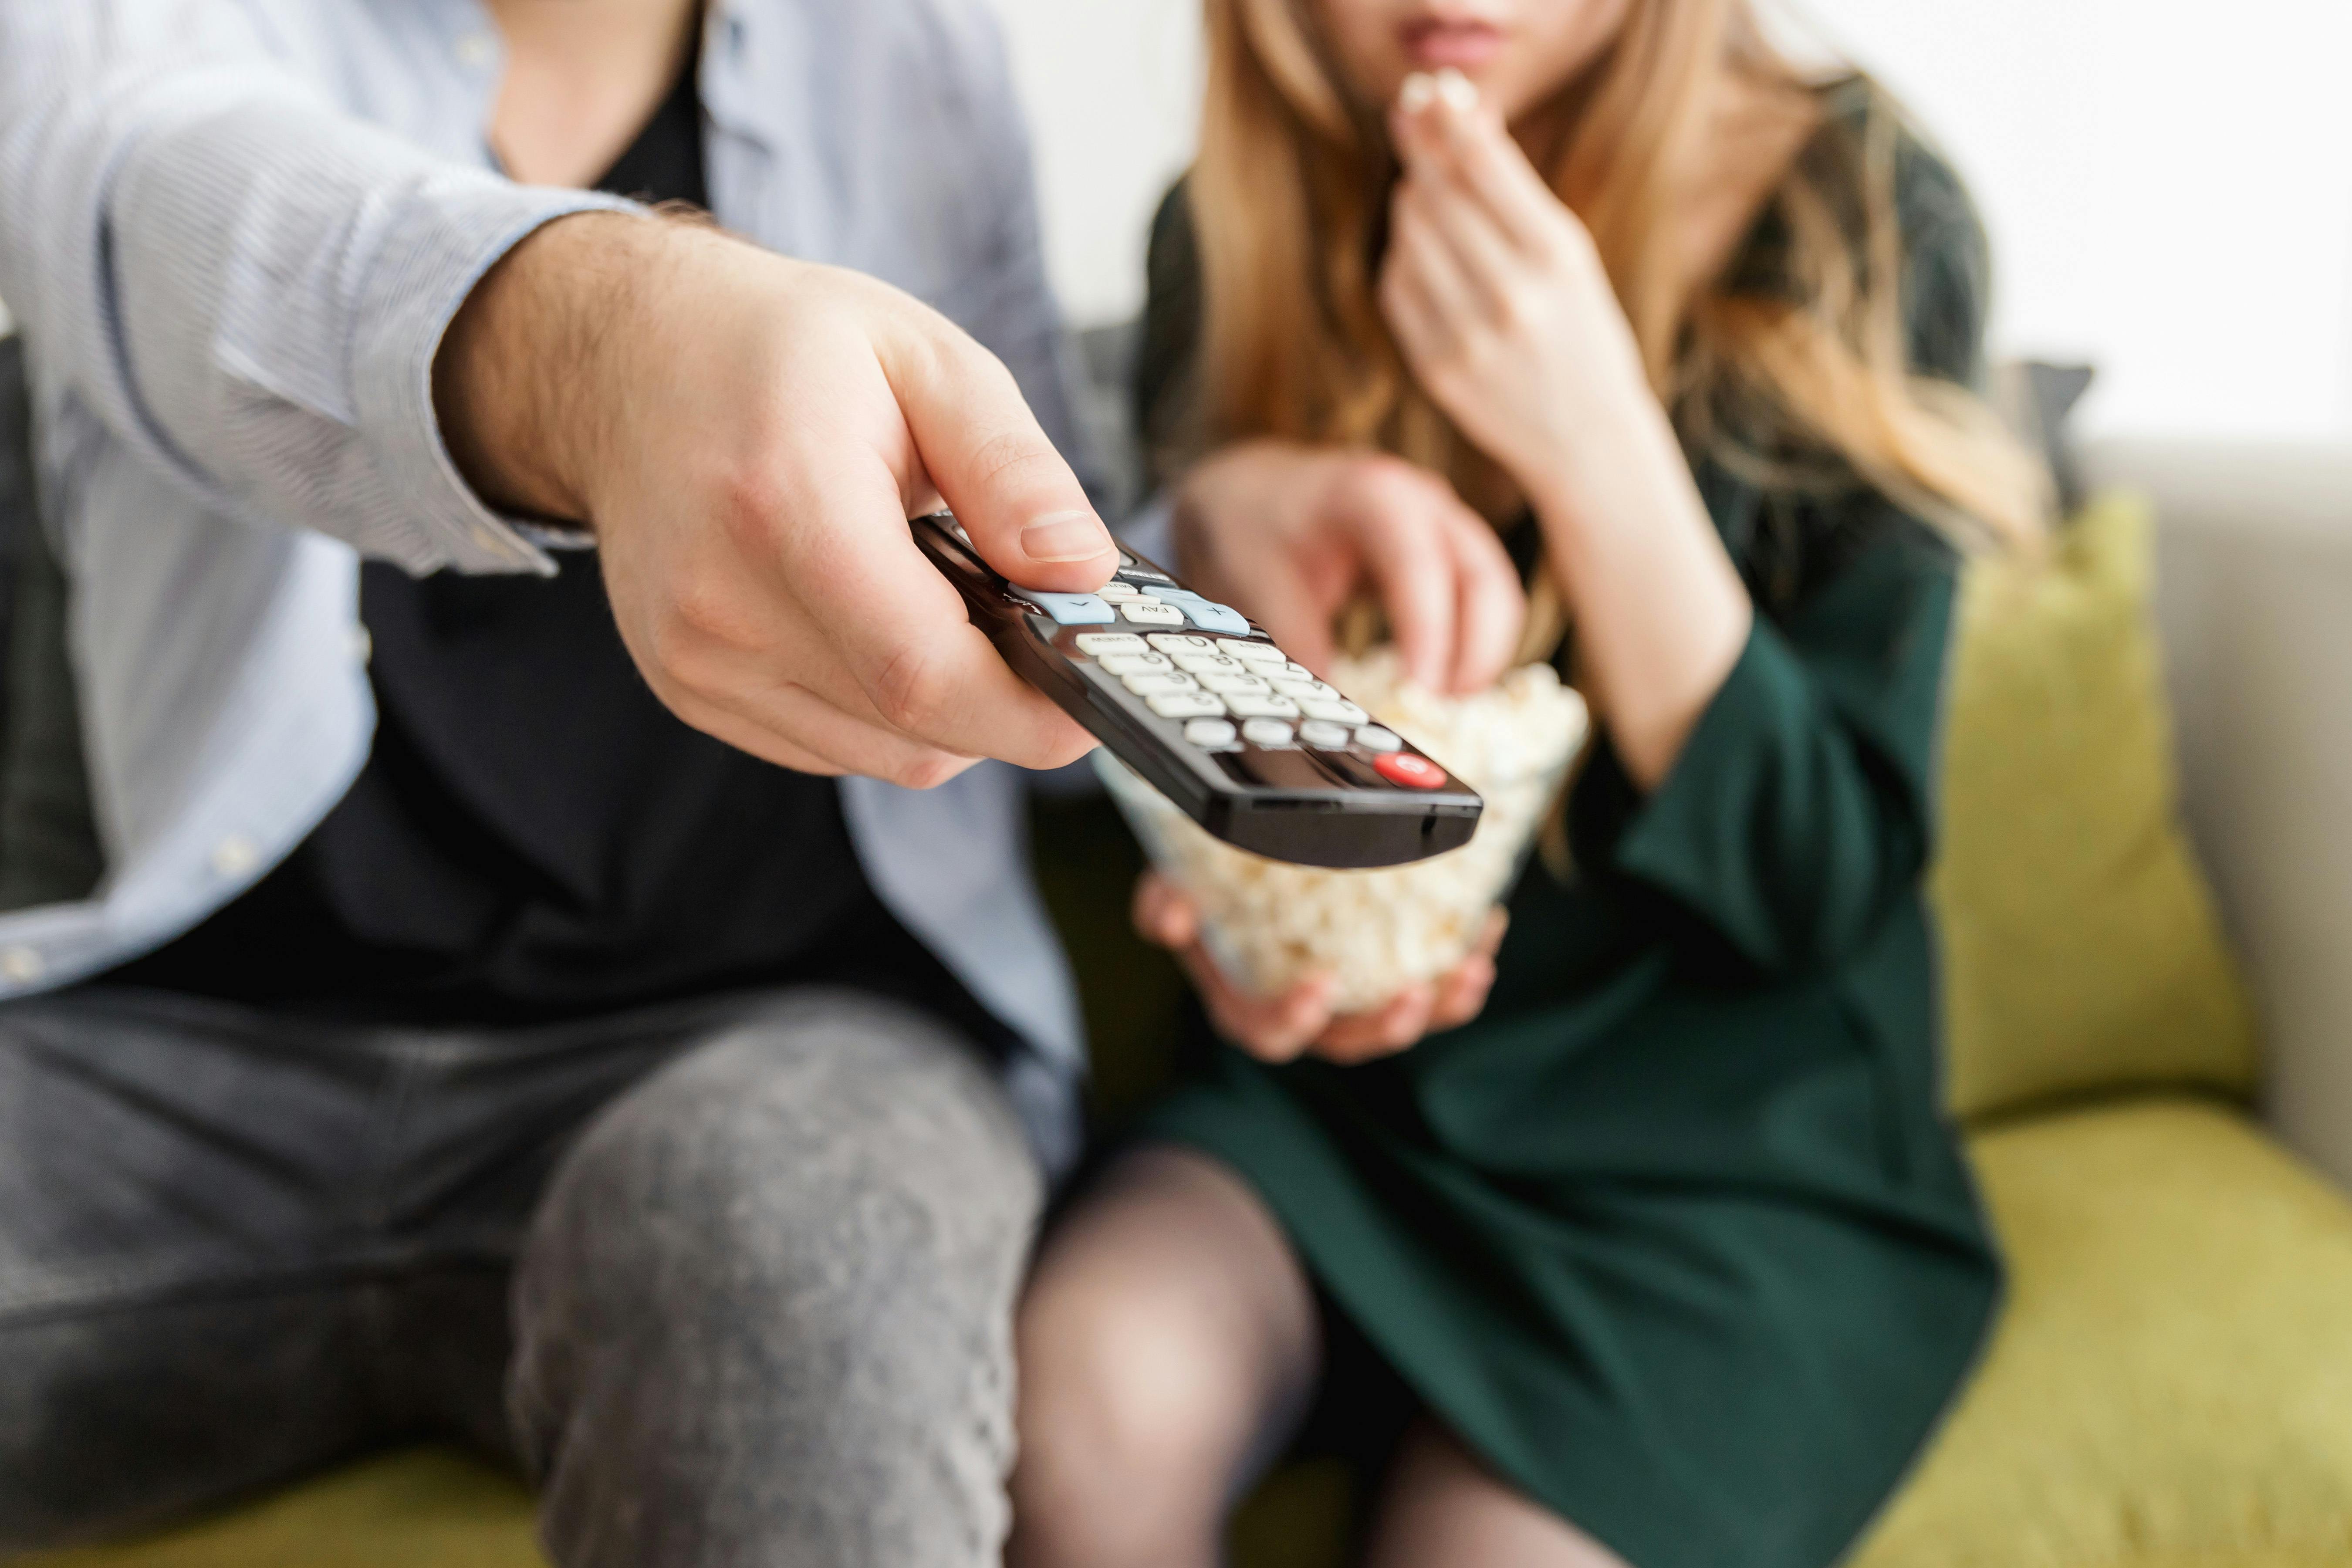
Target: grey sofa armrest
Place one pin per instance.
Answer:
(2254, 601)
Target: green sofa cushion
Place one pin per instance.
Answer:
(425, 1507)
(2081, 951)
(2171, 1383)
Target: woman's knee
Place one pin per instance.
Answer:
(1165, 1337)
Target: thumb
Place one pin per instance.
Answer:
(1024, 509)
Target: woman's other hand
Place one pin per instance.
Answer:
(1300, 1021)
(1293, 533)
(1495, 292)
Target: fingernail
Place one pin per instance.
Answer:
(1416, 93)
(1456, 89)
(1064, 536)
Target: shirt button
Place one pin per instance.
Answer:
(235, 856)
(21, 964)
(476, 51)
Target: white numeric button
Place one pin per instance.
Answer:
(1373, 738)
(1221, 683)
(1151, 613)
(1174, 643)
(1201, 663)
(1150, 682)
(1098, 644)
(1292, 671)
(1266, 732)
(1186, 705)
(1254, 652)
(1336, 710)
(1329, 737)
(1135, 663)
(1291, 686)
(1250, 706)
(1210, 731)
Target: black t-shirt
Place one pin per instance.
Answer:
(534, 835)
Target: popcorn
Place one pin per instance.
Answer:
(1269, 923)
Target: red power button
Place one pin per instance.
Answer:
(1413, 773)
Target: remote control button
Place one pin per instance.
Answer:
(1266, 732)
(1135, 571)
(1206, 614)
(1151, 682)
(1135, 663)
(1329, 737)
(1336, 710)
(1292, 670)
(1150, 612)
(1254, 652)
(1221, 683)
(1185, 705)
(1174, 643)
(1291, 686)
(1098, 644)
(1069, 609)
(1411, 771)
(1373, 738)
(1250, 705)
(1204, 663)
(1116, 590)
(1210, 731)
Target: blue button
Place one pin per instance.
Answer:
(1071, 609)
(1205, 614)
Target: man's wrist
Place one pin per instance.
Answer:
(516, 380)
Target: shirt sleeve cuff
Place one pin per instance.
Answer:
(464, 222)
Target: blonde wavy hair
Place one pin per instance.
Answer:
(1810, 384)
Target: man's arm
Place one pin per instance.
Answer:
(253, 292)
(240, 280)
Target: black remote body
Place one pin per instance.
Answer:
(1197, 699)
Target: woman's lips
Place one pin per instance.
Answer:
(1431, 44)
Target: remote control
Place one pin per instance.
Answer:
(1197, 699)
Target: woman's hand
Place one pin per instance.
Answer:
(1300, 1021)
(1496, 295)
(1292, 533)
(1498, 299)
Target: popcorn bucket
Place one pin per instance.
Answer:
(1269, 923)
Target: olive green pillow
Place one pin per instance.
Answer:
(2081, 950)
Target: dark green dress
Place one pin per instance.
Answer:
(1675, 1235)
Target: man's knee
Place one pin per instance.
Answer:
(775, 1283)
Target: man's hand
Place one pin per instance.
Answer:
(746, 436)
(1292, 533)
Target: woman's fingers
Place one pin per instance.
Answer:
(1272, 1029)
(1417, 243)
(1387, 1029)
(1398, 523)
(1493, 605)
(1164, 913)
(1462, 992)
(1453, 137)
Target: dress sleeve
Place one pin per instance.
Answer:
(1798, 815)
(1800, 812)
(241, 281)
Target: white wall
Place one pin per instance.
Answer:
(2169, 193)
